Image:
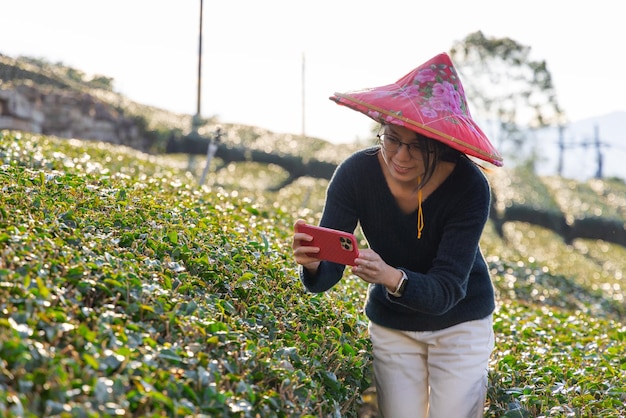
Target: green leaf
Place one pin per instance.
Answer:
(147, 308)
(91, 361)
(43, 289)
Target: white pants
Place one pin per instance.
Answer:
(435, 374)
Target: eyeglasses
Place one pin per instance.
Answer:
(392, 144)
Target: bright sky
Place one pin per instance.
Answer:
(253, 51)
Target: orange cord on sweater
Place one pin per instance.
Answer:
(420, 214)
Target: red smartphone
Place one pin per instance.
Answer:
(336, 246)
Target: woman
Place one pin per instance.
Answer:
(421, 204)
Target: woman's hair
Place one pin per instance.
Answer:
(434, 152)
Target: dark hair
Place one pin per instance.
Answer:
(434, 152)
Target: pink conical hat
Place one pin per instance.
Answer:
(430, 101)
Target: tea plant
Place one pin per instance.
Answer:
(127, 290)
(132, 293)
(580, 201)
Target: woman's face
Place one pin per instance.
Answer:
(405, 165)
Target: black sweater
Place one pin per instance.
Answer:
(448, 279)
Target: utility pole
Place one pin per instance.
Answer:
(197, 118)
(561, 151)
(303, 95)
(596, 134)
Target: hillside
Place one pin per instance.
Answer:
(53, 99)
(129, 291)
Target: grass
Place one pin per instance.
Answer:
(127, 290)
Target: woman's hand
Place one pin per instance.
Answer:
(301, 251)
(371, 268)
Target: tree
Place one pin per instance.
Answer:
(507, 89)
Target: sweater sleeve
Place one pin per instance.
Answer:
(339, 213)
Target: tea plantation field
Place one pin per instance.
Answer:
(127, 290)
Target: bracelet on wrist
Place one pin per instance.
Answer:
(401, 285)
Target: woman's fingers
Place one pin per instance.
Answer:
(369, 266)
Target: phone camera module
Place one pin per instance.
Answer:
(346, 243)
